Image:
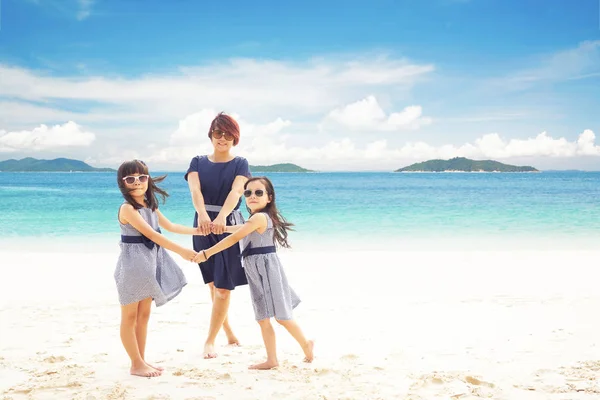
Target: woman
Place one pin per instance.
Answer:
(216, 182)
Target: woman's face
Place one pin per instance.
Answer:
(221, 140)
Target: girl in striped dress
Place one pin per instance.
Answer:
(145, 271)
(271, 295)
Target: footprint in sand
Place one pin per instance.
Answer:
(54, 359)
(349, 357)
(451, 385)
(478, 382)
(118, 393)
(323, 371)
(582, 377)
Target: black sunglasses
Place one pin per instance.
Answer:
(217, 134)
(258, 193)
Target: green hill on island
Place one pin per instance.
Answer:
(30, 164)
(287, 167)
(462, 164)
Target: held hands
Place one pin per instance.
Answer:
(218, 225)
(206, 227)
(188, 254)
(200, 257)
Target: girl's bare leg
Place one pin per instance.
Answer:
(141, 328)
(294, 329)
(129, 340)
(268, 334)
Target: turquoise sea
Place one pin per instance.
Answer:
(335, 210)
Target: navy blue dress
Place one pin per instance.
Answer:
(224, 269)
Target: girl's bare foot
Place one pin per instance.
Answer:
(264, 366)
(145, 370)
(209, 351)
(308, 351)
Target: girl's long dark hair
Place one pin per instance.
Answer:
(280, 225)
(139, 167)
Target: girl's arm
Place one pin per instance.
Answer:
(257, 221)
(237, 189)
(233, 228)
(176, 228)
(130, 215)
(198, 201)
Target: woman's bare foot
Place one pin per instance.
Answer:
(209, 351)
(145, 370)
(308, 351)
(233, 341)
(161, 369)
(264, 366)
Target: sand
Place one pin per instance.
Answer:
(388, 325)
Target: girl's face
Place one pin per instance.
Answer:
(137, 184)
(221, 141)
(256, 196)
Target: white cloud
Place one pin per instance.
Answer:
(191, 137)
(581, 62)
(542, 145)
(269, 143)
(193, 127)
(378, 155)
(269, 129)
(263, 89)
(85, 9)
(367, 114)
(79, 9)
(46, 138)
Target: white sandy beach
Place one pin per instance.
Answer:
(405, 325)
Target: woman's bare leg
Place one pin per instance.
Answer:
(219, 314)
(231, 338)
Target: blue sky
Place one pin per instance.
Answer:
(330, 85)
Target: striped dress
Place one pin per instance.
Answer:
(145, 269)
(269, 289)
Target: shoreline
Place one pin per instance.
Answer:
(322, 242)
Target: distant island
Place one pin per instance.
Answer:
(278, 168)
(30, 164)
(462, 164)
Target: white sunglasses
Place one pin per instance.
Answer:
(130, 180)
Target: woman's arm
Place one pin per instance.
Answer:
(237, 189)
(257, 221)
(198, 201)
(176, 228)
(132, 216)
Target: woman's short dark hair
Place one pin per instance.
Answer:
(226, 124)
